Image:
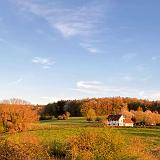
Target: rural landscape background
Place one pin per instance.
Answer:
(79, 80)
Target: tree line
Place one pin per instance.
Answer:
(102, 106)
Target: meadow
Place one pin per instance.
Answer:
(143, 142)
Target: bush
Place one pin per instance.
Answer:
(57, 149)
(17, 117)
(64, 116)
(67, 114)
(11, 150)
(60, 117)
(98, 119)
(95, 146)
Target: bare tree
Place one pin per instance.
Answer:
(16, 101)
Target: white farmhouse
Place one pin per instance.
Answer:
(119, 120)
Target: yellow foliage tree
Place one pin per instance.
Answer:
(91, 114)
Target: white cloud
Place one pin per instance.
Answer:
(45, 62)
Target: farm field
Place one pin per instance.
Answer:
(59, 130)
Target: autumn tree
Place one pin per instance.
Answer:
(17, 117)
(126, 113)
(139, 116)
(156, 115)
(87, 105)
(90, 114)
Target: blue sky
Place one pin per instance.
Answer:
(67, 49)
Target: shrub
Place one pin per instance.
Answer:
(60, 117)
(67, 114)
(64, 116)
(57, 149)
(95, 146)
(11, 150)
(98, 119)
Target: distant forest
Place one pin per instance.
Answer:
(102, 106)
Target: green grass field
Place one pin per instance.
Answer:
(49, 131)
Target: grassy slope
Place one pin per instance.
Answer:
(61, 129)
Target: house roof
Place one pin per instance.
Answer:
(114, 117)
(128, 120)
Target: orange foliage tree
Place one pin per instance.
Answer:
(17, 117)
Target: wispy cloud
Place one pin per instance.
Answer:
(93, 87)
(89, 84)
(79, 21)
(16, 82)
(92, 50)
(89, 47)
(66, 29)
(45, 62)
